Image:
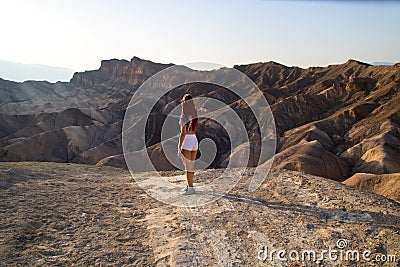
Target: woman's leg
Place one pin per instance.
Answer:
(193, 156)
(190, 174)
(189, 166)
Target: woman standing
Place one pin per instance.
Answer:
(188, 144)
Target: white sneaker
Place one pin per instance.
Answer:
(189, 191)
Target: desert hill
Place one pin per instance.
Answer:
(383, 184)
(332, 121)
(76, 214)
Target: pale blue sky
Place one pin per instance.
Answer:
(79, 34)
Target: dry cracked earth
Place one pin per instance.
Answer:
(55, 214)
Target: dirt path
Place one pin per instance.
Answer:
(67, 214)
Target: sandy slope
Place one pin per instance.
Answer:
(68, 214)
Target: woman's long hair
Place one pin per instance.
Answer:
(189, 114)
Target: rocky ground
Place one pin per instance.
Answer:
(69, 214)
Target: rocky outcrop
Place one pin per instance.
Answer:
(133, 72)
(361, 84)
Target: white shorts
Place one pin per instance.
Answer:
(190, 142)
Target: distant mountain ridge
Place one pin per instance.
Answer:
(332, 121)
(383, 63)
(20, 72)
